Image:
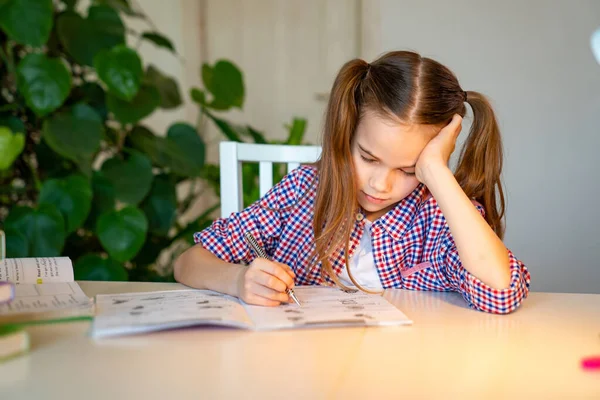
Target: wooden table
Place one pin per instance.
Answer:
(449, 352)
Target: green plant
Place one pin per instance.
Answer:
(224, 89)
(79, 174)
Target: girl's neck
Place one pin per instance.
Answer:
(375, 215)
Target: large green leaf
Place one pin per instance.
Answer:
(161, 205)
(159, 40)
(13, 123)
(169, 152)
(225, 82)
(142, 105)
(43, 229)
(75, 134)
(120, 68)
(167, 87)
(27, 21)
(11, 145)
(235, 132)
(72, 196)
(131, 178)
(51, 164)
(92, 267)
(44, 82)
(93, 95)
(231, 131)
(198, 96)
(103, 200)
(190, 145)
(122, 233)
(257, 136)
(148, 255)
(84, 38)
(17, 245)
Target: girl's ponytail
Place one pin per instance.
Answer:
(335, 203)
(480, 163)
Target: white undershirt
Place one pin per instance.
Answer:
(362, 264)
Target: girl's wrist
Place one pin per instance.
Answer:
(435, 172)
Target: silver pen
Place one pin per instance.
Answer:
(261, 253)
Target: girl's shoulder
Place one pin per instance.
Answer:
(294, 186)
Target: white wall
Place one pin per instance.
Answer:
(533, 59)
(289, 52)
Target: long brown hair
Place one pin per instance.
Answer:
(403, 86)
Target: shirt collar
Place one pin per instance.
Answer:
(399, 218)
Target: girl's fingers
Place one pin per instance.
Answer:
(278, 271)
(268, 293)
(261, 301)
(271, 282)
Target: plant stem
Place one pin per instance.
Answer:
(121, 133)
(34, 174)
(201, 123)
(7, 57)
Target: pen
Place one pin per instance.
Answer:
(261, 253)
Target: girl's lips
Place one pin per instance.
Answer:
(374, 199)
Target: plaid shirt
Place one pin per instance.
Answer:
(412, 245)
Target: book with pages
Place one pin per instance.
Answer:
(132, 313)
(41, 289)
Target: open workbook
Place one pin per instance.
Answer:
(44, 290)
(130, 313)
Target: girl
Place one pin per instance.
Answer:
(380, 208)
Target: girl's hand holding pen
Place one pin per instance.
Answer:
(265, 283)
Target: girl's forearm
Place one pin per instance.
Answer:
(199, 268)
(481, 251)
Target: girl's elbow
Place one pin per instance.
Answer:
(178, 268)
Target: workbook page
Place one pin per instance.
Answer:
(129, 313)
(323, 306)
(54, 301)
(37, 270)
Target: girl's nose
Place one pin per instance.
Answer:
(381, 181)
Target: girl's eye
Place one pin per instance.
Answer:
(407, 173)
(367, 160)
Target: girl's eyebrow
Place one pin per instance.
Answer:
(377, 158)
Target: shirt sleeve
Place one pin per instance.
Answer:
(479, 295)
(264, 219)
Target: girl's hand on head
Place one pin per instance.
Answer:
(438, 150)
(265, 283)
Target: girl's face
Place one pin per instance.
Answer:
(385, 154)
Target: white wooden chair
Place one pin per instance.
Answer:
(232, 154)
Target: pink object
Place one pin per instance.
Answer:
(591, 363)
(414, 269)
(7, 292)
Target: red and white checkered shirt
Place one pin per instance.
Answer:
(412, 245)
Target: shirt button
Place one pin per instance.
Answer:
(359, 217)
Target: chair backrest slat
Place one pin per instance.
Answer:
(232, 154)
